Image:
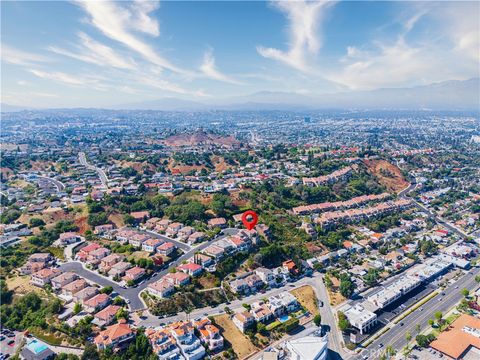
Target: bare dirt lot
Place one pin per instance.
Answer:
(306, 297)
(387, 174)
(242, 346)
(21, 285)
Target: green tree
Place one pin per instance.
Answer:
(90, 352)
(35, 222)
(107, 290)
(343, 323)
(408, 336)
(5, 294)
(465, 292)
(77, 308)
(317, 319)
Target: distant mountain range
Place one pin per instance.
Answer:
(447, 95)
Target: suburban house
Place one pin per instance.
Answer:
(74, 286)
(177, 279)
(243, 320)
(119, 268)
(161, 288)
(96, 303)
(63, 279)
(44, 276)
(209, 334)
(173, 228)
(114, 336)
(85, 294)
(151, 245)
(195, 237)
(134, 274)
(106, 316)
(191, 269)
(166, 248)
(217, 222)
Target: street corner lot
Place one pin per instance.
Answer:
(307, 298)
(242, 346)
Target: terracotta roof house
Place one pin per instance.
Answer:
(140, 216)
(178, 278)
(166, 248)
(243, 320)
(217, 222)
(44, 276)
(85, 294)
(63, 279)
(74, 287)
(191, 269)
(114, 336)
(161, 288)
(107, 315)
(96, 303)
(134, 274)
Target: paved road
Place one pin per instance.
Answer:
(58, 184)
(103, 177)
(132, 294)
(335, 338)
(396, 335)
(179, 244)
(235, 305)
(432, 214)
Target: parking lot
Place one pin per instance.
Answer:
(9, 342)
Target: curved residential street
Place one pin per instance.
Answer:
(132, 294)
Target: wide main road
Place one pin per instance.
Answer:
(132, 294)
(443, 303)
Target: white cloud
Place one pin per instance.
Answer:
(94, 52)
(19, 57)
(451, 53)
(304, 20)
(210, 70)
(119, 22)
(89, 81)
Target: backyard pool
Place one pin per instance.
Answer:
(36, 346)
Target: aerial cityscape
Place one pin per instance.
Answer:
(285, 180)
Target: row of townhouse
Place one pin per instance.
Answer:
(338, 205)
(230, 245)
(113, 265)
(146, 243)
(261, 311)
(71, 287)
(341, 174)
(183, 233)
(331, 218)
(179, 340)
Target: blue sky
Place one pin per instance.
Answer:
(101, 53)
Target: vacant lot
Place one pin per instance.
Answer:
(240, 343)
(387, 174)
(306, 297)
(21, 285)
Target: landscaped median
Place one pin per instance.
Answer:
(415, 307)
(400, 317)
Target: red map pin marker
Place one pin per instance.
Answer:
(250, 224)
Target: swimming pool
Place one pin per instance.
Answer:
(36, 346)
(284, 318)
